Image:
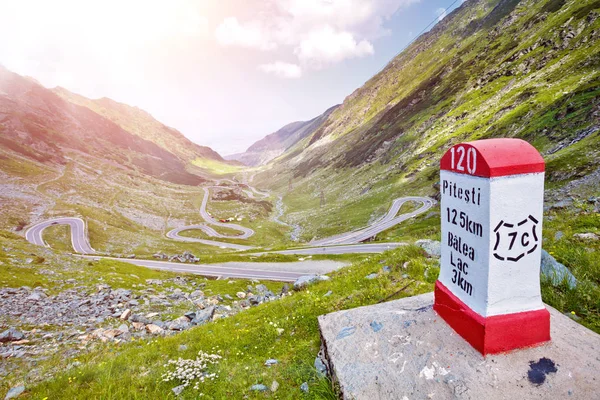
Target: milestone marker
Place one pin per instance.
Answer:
(488, 291)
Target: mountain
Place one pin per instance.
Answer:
(140, 123)
(273, 145)
(492, 68)
(38, 124)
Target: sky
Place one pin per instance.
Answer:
(223, 72)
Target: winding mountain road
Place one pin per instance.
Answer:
(386, 222)
(79, 237)
(340, 244)
(246, 232)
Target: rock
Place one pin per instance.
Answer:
(241, 295)
(556, 271)
(271, 361)
(182, 347)
(254, 300)
(178, 389)
(159, 323)
(154, 282)
(154, 329)
(121, 294)
(160, 256)
(561, 204)
(433, 248)
(228, 297)
(125, 315)
(306, 280)
(371, 276)
(11, 335)
(274, 386)
(112, 333)
(258, 388)
(202, 316)
(329, 293)
(124, 328)
(558, 235)
(36, 296)
(386, 269)
(285, 289)
(320, 367)
(138, 326)
(197, 293)
(140, 319)
(190, 315)
(587, 236)
(179, 324)
(262, 289)
(304, 387)
(14, 392)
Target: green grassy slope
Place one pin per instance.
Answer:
(526, 69)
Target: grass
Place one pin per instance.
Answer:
(583, 260)
(245, 341)
(216, 167)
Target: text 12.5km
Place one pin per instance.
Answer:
(463, 220)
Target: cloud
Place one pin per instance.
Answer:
(441, 13)
(282, 69)
(319, 33)
(251, 35)
(326, 46)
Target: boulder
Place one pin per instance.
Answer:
(320, 367)
(179, 324)
(36, 296)
(556, 271)
(125, 315)
(274, 386)
(587, 236)
(202, 316)
(262, 289)
(241, 295)
(258, 388)
(306, 280)
(138, 326)
(11, 335)
(433, 248)
(14, 392)
(178, 389)
(304, 387)
(139, 318)
(154, 329)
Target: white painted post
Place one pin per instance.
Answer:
(488, 290)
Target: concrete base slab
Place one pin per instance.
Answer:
(403, 350)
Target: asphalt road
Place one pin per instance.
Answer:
(79, 238)
(340, 244)
(275, 271)
(386, 222)
(245, 232)
(342, 249)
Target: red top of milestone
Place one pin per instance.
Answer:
(493, 157)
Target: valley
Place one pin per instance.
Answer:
(125, 246)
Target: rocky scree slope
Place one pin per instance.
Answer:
(492, 68)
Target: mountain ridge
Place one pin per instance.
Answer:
(273, 145)
(42, 125)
